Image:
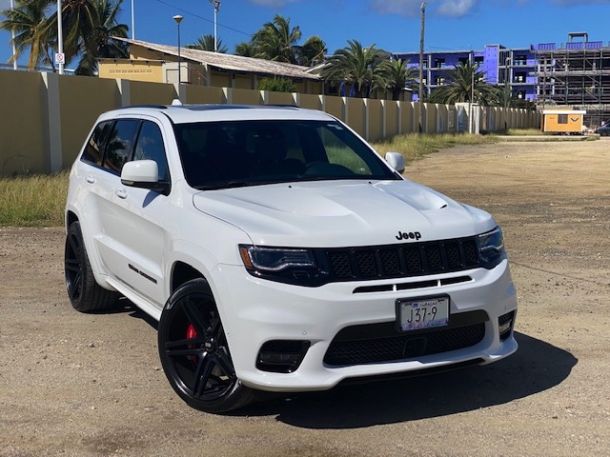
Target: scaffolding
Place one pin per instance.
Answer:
(576, 74)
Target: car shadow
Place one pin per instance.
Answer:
(537, 366)
(133, 311)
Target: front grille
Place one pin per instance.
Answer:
(401, 260)
(377, 343)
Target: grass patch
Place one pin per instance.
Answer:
(33, 201)
(414, 146)
(525, 132)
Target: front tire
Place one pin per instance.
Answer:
(86, 295)
(194, 352)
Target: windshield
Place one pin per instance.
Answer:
(225, 154)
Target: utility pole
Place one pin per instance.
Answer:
(178, 18)
(470, 107)
(508, 92)
(216, 4)
(13, 40)
(422, 30)
(133, 19)
(60, 58)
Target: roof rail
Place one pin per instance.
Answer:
(281, 105)
(144, 106)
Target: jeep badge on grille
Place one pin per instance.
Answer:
(408, 236)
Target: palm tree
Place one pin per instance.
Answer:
(100, 43)
(206, 43)
(395, 76)
(312, 52)
(245, 49)
(354, 66)
(466, 81)
(29, 22)
(276, 40)
(89, 26)
(78, 20)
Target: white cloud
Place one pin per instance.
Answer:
(403, 7)
(456, 7)
(273, 3)
(5, 4)
(411, 7)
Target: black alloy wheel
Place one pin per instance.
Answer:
(194, 351)
(73, 266)
(85, 294)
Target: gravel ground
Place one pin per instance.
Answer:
(91, 385)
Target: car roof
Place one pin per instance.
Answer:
(180, 114)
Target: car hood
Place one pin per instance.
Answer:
(342, 213)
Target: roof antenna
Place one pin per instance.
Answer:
(176, 102)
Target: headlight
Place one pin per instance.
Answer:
(288, 265)
(491, 248)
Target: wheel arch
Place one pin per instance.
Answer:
(71, 217)
(182, 272)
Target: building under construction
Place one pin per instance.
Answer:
(575, 74)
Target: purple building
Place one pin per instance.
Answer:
(499, 64)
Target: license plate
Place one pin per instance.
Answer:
(422, 313)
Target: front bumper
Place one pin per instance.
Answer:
(255, 311)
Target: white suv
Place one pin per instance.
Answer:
(279, 252)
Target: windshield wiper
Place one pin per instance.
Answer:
(224, 185)
(233, 184)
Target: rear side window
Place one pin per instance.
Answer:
(150, 147)
(94, 150)
(120, 144)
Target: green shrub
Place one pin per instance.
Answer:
(276, 85)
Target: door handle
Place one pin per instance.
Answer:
(90, 179)
(121, 193)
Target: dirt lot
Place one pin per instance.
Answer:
(81, 385)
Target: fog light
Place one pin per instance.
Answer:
(505, 325)
(282, 356)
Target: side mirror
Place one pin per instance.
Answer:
(143, 174)
(396, 160)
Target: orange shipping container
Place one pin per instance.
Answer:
(563, 121)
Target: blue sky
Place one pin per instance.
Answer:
(390, 24)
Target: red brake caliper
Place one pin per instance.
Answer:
(191, 334)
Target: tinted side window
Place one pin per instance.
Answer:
(120, 144)
(95, 146)
(150, 147)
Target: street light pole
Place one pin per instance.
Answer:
(216, 4)
(133, 19)
(178, 20)
(60, 38)
(13, 40)
(421, 64)
(508, 92)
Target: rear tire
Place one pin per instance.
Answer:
(195, 354)
(86, 295)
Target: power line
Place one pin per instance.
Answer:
(190, 13)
